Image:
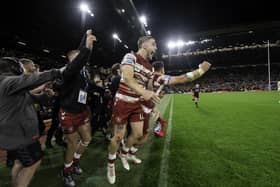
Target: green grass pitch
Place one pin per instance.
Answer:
(231, 139)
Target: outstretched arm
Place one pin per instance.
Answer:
(190, 76)
(24, 83)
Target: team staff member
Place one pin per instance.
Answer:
(18, 119)
(74, 115)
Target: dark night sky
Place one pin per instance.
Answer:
(56, 24)
(178, 17)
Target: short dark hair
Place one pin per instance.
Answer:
(158, 65)
(10, 65)
(115, 67)
(143, 39)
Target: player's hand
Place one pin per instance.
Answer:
(90, 39)
(150, 95)
(205, 66)
(49, 92)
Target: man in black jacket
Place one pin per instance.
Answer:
(74, 114)
(116, 78)
(18, 119)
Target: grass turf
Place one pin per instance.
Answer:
(231, 139)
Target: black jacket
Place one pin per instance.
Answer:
(18, 118)
(73, 81)
(115, 85)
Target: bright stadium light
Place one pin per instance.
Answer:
(46, 51)
(205, 41)
(84, 7)
(123, 10)
(126, 46)
(116, 37)
(21, 43)
(171, 44)
(143, 20)
(190, 43)
(149, 32)
(180, 43)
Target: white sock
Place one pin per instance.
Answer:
(77, 156)
(68, 165)
(122, 142)
(133, 149)
(112, 156)
(125, 149)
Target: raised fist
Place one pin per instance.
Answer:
(205, 66)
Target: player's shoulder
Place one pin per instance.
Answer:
(129, 58)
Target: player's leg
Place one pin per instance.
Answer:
(119, 133)
(84, 130)
(67, 121)
(27, 161)
(120, 113)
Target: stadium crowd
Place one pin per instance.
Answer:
(225, 79)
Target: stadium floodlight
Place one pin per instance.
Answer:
(116, 37)
(21, 43)
(84, 7)
(180, 43)
(46, 51)
(123, 10)
(190, 43)
(143, 20)
(171, 45)
(149, 32)
(126, 46)
(205, 41)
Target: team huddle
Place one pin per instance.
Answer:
(139, 90)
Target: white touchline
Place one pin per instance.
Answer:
(165, 154)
